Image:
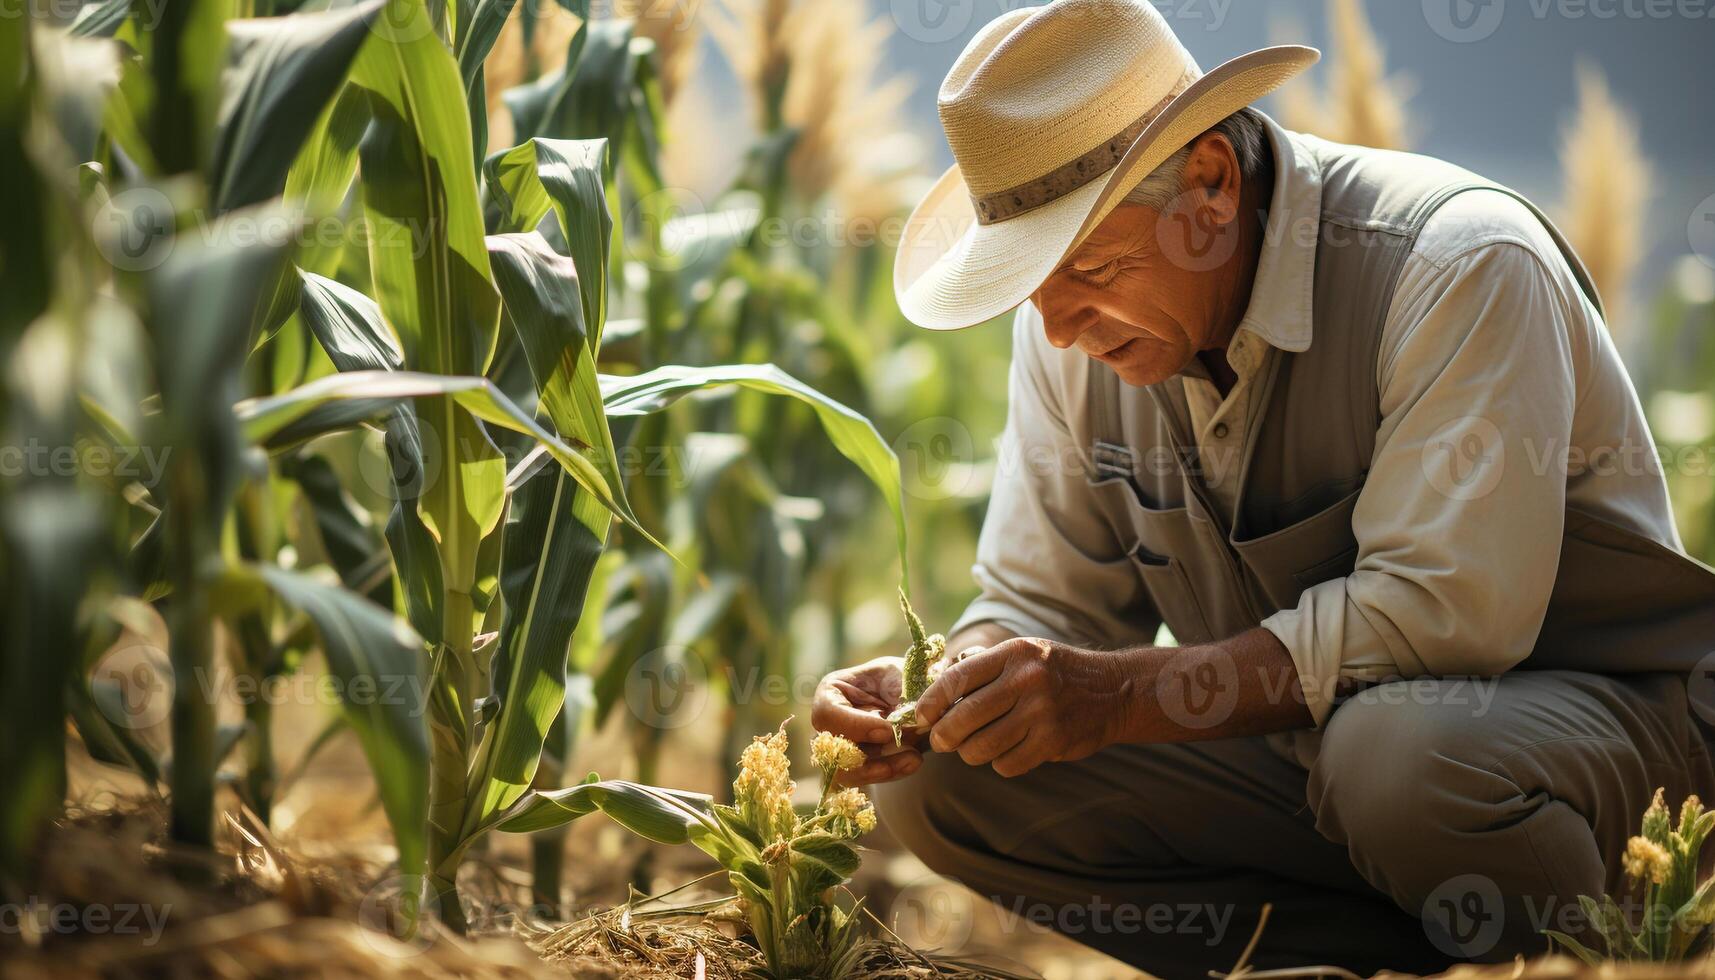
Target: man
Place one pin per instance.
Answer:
(1350, 425)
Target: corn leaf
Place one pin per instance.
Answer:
(429, 264)
(265, 420)
(380, 666)
(541, 291)
(665, 816)
(102, 18)
(589, 96)
(316, 185)
(348, 325)
(419, 194)
(851, 433)
(554, 535)
(829, 851)
(566, 176)
(280, 74)
(1574, 947)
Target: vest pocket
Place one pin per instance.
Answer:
(1170, 592)
(1164, 546)
(1316, 549)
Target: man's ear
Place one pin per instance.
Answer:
(1212, 175)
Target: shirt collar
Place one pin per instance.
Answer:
(1280, 306)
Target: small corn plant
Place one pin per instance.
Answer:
(784, 863)
(924, 653)
(1677, 911)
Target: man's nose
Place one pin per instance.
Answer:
(1064, 325)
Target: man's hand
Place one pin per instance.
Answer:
(1026, 701)
(855, 702)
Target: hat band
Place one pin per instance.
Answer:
(1069, 176)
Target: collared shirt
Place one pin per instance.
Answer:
(1487, 321)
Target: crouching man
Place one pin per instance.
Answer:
(1347, 422)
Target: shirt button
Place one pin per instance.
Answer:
(1220, 430)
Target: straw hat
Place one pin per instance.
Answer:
(1054, 113)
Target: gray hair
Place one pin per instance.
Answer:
(1244, 129)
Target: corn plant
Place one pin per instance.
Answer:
(474, 284)
(1676, 911)
(924, 653)
(784, 865)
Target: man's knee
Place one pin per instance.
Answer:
(1406, 763)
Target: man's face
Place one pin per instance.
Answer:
(1148, 290)
(1123, 301)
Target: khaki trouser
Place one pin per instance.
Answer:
(1481, 808)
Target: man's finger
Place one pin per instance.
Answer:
(1020, 759)
(988, 704)
(959, 680)
(883, 768)
(992, 740)
(831, 712)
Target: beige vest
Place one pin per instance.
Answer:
(1621, 602)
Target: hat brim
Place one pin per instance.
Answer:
(951, 272)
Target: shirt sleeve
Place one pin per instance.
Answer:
(1048, 564)
(1459, 522)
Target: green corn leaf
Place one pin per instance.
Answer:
(91, 709)
(416, 563)
(100, 19)
(316, 185)
(554, 535)
(347, 537)
(565, 176)
(348, 325)
(280, 75)
(380, 665)
(541, 290)
(200, 301)
(590, 96)
(1574, 947)
(265, 420)
(425, 231)
(851, 433)
(481, 29)
(825, 849)
(665, 816)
